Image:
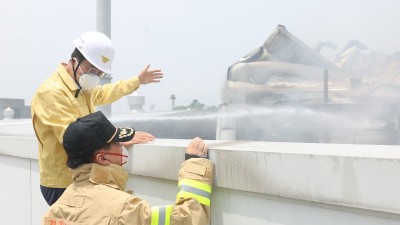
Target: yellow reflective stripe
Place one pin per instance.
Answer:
(196, 184)
(200, 199)
(168, 212)
(154, 215)
(161, 215)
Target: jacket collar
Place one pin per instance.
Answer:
(68, 80)
(112, 175)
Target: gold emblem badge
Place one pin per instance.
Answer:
(125, 132)
(104, 59)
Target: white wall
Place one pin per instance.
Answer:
(21, 200)
(238, 207)
(255, 183)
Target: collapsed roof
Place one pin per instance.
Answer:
(286, 91)
(286, 70)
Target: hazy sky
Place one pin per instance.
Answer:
(193, 42)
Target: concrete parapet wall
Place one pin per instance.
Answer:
(255, 182)
(359, 176)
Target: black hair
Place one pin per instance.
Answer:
(107, 146)
(78, 157)
(77, 160)
(78, 55)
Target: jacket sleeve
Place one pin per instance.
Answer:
(110, 93)
(192, 206)
(193, 200)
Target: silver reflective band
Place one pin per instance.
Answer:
(196, 191)
(160, 215)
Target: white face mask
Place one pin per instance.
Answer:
(88, 81)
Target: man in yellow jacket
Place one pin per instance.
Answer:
(72, 92)
(97, 196)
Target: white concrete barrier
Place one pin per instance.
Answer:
(255, 182)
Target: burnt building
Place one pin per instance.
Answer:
(288, 92)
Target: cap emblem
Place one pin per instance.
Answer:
(124, 132)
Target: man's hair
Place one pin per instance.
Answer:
(85, 156)
(78, 55)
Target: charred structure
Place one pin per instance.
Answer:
(286, 91)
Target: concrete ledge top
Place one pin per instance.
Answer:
(370, 151)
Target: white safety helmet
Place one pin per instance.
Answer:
(97, 49)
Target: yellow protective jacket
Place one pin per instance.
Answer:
(54, 107)
(96, 197)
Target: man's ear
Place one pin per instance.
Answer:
(101, 159)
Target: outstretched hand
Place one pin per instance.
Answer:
(150, 76)
(197, 147)
(140, 137)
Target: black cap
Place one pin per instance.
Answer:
(92, 132)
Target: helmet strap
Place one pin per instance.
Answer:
(76, 81)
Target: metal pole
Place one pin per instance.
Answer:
(103, 17)
(326, 132)
(326, 97)
(103, 25)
